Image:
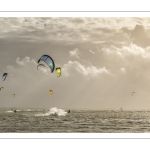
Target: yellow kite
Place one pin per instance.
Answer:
(58, 71)
(50, 92)
(13, 95)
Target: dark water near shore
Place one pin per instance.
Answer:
(89, 121)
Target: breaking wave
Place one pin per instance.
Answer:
(53, 111)
(9, 111)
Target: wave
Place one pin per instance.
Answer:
(9, 111)
(53, 111)
(18, 110)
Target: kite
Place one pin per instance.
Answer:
(58, 71)
(50, 92)
(132, 93)
(1, 88)
(40, 65)
(13, 95)
(4, 76)
(49, 61)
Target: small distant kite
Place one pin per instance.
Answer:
(50, 92)
(49, 61)
(1, 88)
(13, 95)
(4, 76)
(58, 71)
(132, 93)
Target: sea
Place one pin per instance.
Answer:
(56, 120)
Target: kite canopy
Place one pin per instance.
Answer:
(13, 95)
(50, 92)
(58, 71)
(133, 93)
(4, 76)
(49, 61)
(40, 65)
(1, 88)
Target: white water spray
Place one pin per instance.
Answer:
(53, 111)
(9, 111)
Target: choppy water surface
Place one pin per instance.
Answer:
(30, 121)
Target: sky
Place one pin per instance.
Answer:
(103, 60)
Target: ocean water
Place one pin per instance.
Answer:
(83, 121)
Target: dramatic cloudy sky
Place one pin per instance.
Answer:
(103, 61)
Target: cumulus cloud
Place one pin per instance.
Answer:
(26, 68)
(84, 70)
(28, 64)
(75, 53)
(130, 50)
(25, 61)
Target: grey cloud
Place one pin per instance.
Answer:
(62, 30)
(77, 20)
(140, 37)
